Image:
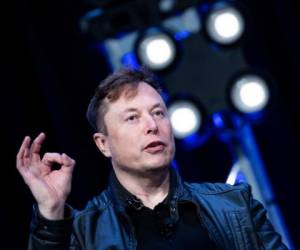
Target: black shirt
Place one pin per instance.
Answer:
(155, 229)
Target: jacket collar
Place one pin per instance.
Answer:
(122, 199)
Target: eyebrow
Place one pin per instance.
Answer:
(157, 105)
(135, 109)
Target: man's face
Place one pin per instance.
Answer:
(139, 135)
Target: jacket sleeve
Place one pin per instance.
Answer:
(266, 234)
(49, 235)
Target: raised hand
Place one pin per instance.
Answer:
(50, 188)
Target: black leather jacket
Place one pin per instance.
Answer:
(234, 220)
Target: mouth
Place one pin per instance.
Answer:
(155, 147)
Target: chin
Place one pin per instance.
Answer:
(153, 170)
(158, 164)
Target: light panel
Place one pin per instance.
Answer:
(185, 118)
(225, 24)
(157, 51)
(250, 94)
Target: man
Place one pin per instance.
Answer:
(146, 205)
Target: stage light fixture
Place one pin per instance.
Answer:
(249, 94)
(156, 50)
(185, 118)
(225, 24)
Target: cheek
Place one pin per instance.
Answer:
(124, 146)
(169, 134)
(167, 129)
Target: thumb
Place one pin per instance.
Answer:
(67, 161)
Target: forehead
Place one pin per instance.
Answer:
(143, 96)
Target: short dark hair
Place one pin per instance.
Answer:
(110, 89)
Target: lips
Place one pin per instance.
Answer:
(155, 146)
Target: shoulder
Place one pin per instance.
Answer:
(220, 195)
(95, 207)
(218, 188)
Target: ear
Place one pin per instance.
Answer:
(101, 141)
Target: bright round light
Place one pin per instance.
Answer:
(253, 94)
(250, 94)
(225, 25)
(185, 119)
(157, 51)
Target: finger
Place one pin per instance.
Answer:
(26, 159)
(22, 152)
(67, 161)
(26, 153)
(36, 147)
(50, 158)
(37, 143)
(25, 144)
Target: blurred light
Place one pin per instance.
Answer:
(86, 19)
(180, 35)
(166, 5)
(236, 175)
(250, 94)
(174, 164)
(231, 179)
(157, 51)
(217, 120)
(194, 141)
(129, 59)
(185, 118)
(225, 24)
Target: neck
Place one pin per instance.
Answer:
(151, 188)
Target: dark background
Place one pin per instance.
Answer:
(51, 72)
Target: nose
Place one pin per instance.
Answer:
(151, 125)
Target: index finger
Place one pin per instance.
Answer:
(24, 145)
(37, 143)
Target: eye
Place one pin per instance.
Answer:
(159, 113)
(132, 118)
